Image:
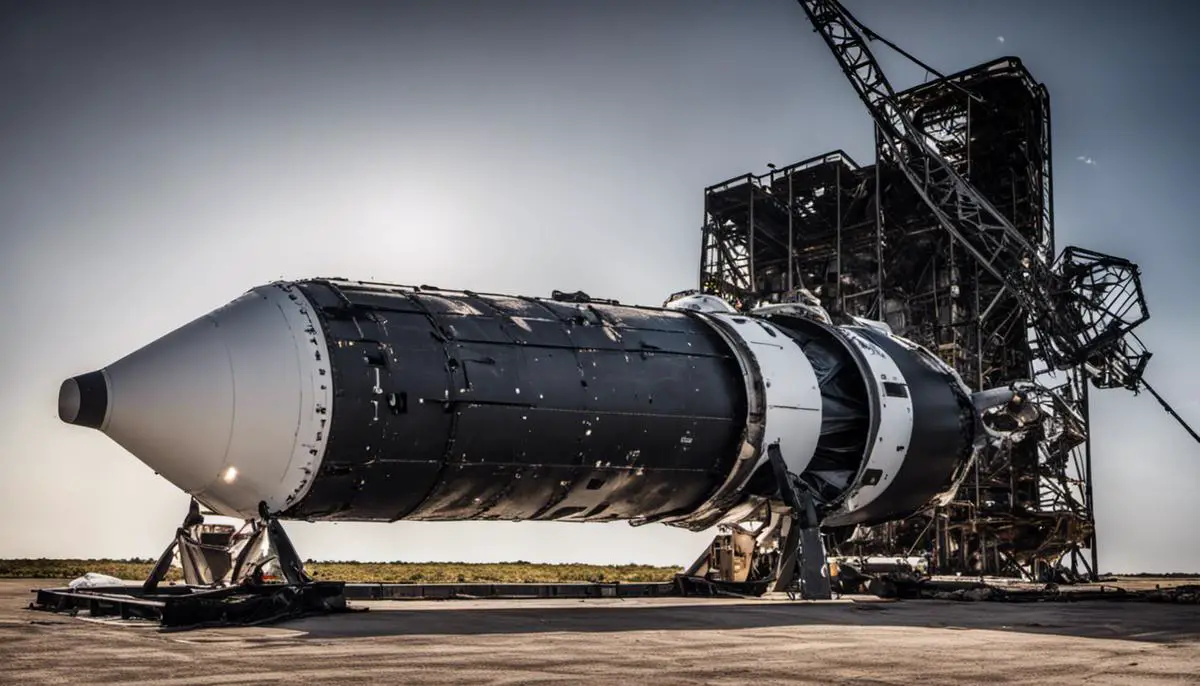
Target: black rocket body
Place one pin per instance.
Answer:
(338, 400)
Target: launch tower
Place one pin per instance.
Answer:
(859, 238)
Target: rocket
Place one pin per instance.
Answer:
(329, 399)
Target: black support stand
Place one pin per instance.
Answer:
(217, 589)
(803, 568)
(203, 564)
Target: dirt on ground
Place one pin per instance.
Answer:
(645, 640)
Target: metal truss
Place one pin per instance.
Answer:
(1062, 321)
(864, 242)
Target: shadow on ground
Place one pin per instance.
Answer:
(1108, 620)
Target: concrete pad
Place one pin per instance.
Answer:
(654, 640)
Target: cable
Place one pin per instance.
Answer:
(873, 36)
(1171, 411)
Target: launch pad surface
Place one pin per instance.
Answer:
(607, 640)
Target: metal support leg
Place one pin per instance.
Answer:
(251, 548)
(803, 551)
(163, 565)
(289, 560)
(160, 569)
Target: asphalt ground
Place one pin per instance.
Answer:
(614, 641)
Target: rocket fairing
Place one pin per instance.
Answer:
(337, 400)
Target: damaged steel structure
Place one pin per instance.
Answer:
(862, 241)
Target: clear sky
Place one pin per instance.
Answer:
(158, 159)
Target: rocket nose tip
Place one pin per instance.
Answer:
(83, 400)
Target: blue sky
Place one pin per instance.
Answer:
(158, 159)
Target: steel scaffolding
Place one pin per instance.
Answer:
(860, 239)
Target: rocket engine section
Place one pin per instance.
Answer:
(336, 400)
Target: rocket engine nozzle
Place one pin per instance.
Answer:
(83, 400)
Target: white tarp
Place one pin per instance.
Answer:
(93, 580)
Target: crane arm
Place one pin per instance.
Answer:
(1072, 330)
(959, 208)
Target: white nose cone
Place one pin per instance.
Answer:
(232, 408)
